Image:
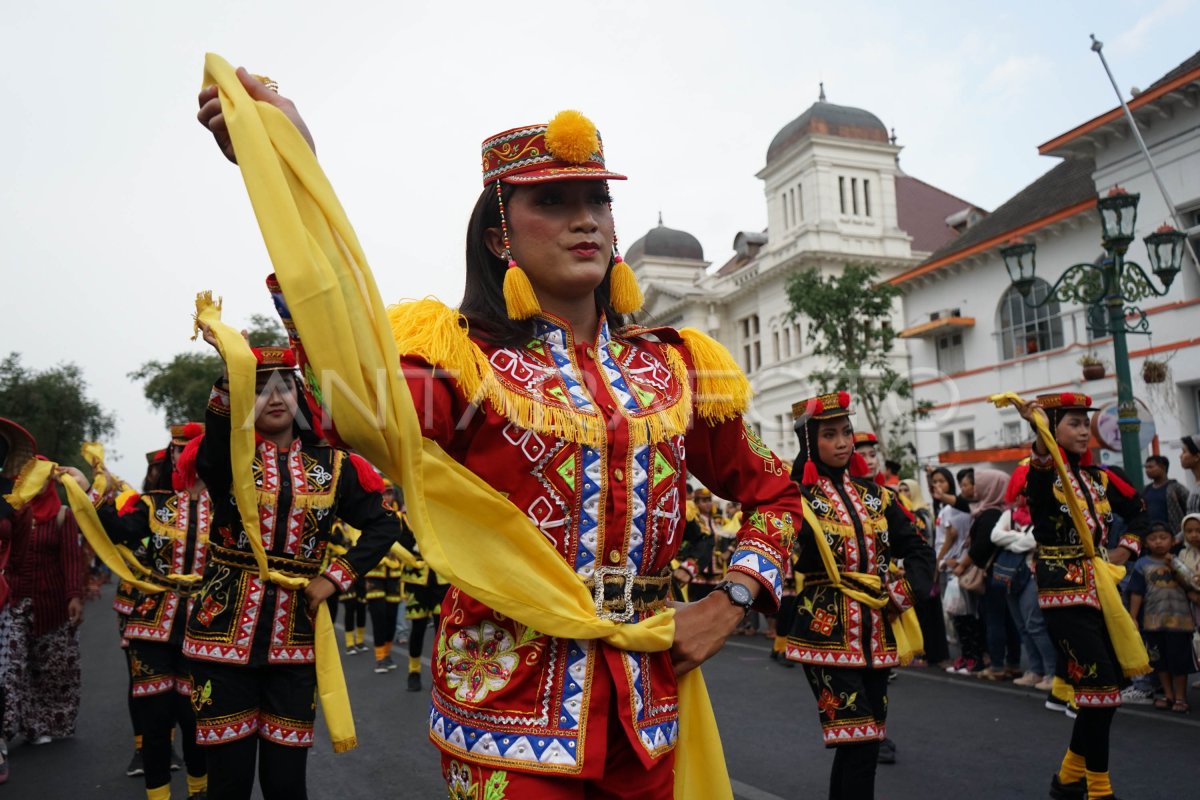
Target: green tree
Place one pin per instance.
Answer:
(849, 324)
(54, 406)
(179, 388)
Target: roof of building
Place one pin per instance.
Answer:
(1181, 76)
(666, 243)
(1063, 188)
(827, 119)
(921, 212)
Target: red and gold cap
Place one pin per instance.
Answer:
(1066, 401)
(824, 406)
(273, 359)
(864, 438)
(568, 147)
(184, 433)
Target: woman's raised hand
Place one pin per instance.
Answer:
(212, 118)
(1029, 410)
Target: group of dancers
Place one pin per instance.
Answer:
(562, 667)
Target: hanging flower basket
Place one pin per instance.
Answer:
(1154, 371)
(1093, 368)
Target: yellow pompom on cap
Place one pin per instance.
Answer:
(572, 137)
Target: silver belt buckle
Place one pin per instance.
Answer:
(625, 613)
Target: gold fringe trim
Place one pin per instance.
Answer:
(722, 390)
(313, 500)
(437, 333)
(345, 745)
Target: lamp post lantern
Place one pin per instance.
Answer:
(1116, 285)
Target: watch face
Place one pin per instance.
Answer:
(740, 594)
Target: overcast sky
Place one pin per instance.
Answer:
(117, 208)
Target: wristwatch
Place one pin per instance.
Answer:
(739, 595)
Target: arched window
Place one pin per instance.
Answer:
(1025, 330)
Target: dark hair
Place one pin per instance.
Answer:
(483, 290)
(964, 474)
(952, 487)
(160, 480)
(1155, 527)
(1162, 461)
(892, 466)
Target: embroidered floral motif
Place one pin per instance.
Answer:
(1076, 670)
(202, 696)
(823, 621)
(480, 660)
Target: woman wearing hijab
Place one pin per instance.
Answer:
(1002, 638)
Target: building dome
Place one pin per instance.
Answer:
(826, 119)
(665, 242)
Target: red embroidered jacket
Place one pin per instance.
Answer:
(168, 534)
(593, 440)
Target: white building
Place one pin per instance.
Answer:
(970, 334)
(835, 194)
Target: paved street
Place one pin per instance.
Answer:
(957, 737)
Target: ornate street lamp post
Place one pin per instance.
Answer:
(1115, 285)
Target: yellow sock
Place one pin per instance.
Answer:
(381, 651)
(414, 663)
(137, 742)
(360, 635)
(780, 645)
(197, 785)
(1072, 767)
(159, 792)
(349, 638)
(1098, 785)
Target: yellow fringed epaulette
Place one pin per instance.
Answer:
(722, 390)
(692, 512)
(437, 333)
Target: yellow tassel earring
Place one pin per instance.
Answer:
(624, 294)
(519, 298)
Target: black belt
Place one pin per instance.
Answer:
(619, 593)
(243, 560)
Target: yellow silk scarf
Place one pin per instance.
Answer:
(240, 365)
(906, 629)
(337, 309)
(1127, 642)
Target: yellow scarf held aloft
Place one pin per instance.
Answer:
(910, 642)
(241, 365)
(1126, 640)
(336, 306)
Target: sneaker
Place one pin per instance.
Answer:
(3, 770)
(1077, 790)
(400, 641)
(381, 667)
(1072, 710)
(351, 650)
(4, 747)
(954, 668)
(1138, 697)
(414, 681)
(391, 664)
(363, 647)
(135, 767)
(892, 675)
(1028, 679)
(176, 760)
(1055, 704)
(972, 667)
(40, 740)
(887, 752)
(1045, 684)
